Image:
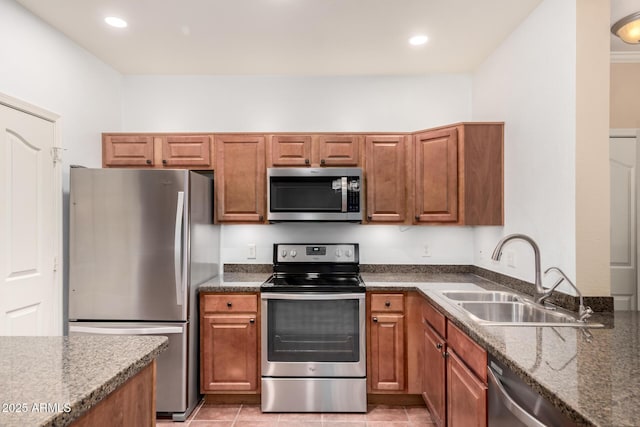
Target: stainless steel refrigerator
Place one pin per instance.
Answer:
(140, 242)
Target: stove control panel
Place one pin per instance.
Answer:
(326, 252)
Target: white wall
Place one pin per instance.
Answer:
(379, 244)
(43, 67)
(529, 82)
(294, 104)
(311, 104)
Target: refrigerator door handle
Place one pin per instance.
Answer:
(126, 331)
(177, 247)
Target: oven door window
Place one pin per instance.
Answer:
(305, 194)
(313, 331)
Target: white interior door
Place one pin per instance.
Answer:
(623, 222)
(28, 225)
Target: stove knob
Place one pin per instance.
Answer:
(293, 253)
(349, 253)
(338, 253)
(284, 253)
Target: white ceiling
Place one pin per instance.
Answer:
(295, 37)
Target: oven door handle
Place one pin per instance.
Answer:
(301, 296)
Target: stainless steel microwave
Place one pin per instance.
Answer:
(314, 194)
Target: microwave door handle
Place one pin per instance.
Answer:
(344, 193)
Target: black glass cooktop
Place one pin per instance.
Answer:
(312, 282)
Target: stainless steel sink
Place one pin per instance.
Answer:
(481, 296)
(519, 313)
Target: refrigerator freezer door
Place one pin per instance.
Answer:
(171, 379)
(123, 242)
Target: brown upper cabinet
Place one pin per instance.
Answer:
(186, 151)
(165, 150)
(386, 178)
(313, 150)
(339, 150)
(127, 150)
(240, 178)
(289, 150)
(458, 174)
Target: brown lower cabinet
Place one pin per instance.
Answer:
(386, 332)
(229, 343)
(454, 373)
(132, 404)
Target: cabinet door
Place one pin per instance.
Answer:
(290, 150)
(181, 151)
(387, 363)
(127, 150)
(436, 176)
(339, 150)
(386, 178)
(229, 353)
(240, 178)
(466, 395)
(433, 374)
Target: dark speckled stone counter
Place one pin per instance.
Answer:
(51, 381)
(591, 375)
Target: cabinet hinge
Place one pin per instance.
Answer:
(55, 264)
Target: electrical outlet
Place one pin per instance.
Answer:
(511, 259)
(426, 251)
(251, 253)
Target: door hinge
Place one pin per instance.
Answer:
(56, 153)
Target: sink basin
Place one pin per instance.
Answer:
(519, 313)
(480, 296)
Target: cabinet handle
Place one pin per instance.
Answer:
(306, 161)
(375, 320)
(148, 161)
(229, 304)
(439, 345)
(164, 162)
(322, 162)
(445, 354)
(387, 303)
(252, 321)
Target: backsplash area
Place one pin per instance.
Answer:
(379, 244)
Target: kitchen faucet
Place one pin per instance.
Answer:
(497, 254)
(583, 312)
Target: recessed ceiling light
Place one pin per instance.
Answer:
(115, 21)
(418, 40)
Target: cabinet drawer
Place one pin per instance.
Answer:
(387, 302)
(232, 303)
(434, 318)
(471, 353)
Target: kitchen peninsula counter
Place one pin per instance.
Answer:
(592, 375)
(54, 381)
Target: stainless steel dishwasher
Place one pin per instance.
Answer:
(512, 403)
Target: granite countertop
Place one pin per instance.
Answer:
(51, 381)
(592, 375)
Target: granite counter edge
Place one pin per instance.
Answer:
(86, 403)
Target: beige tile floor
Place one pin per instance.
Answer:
(242, 415)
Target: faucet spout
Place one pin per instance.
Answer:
(583, 312)
(497, 254)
